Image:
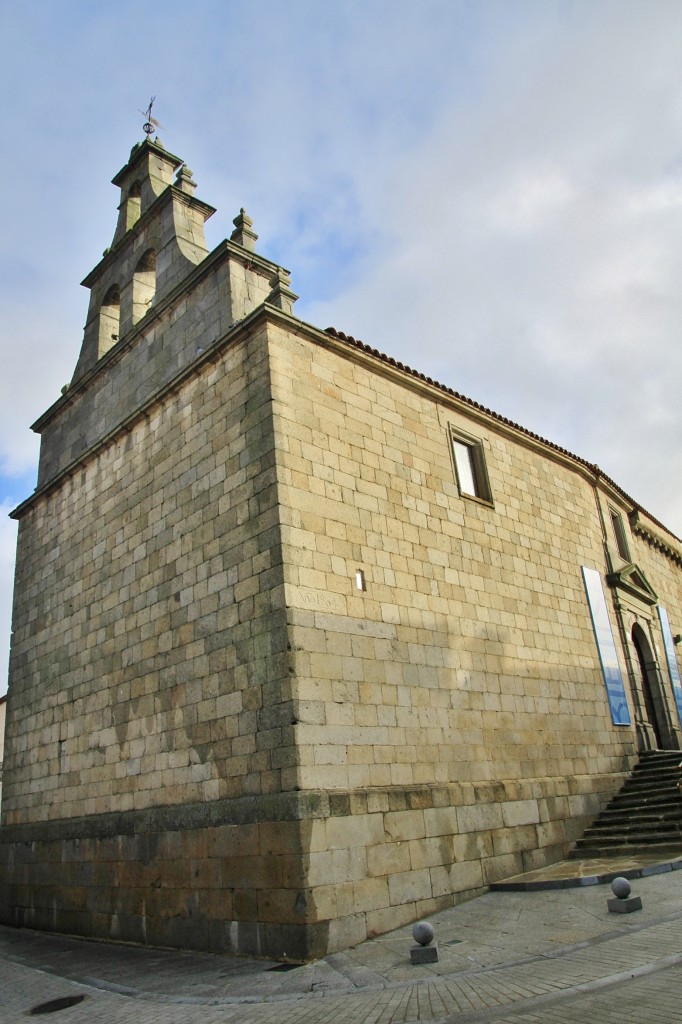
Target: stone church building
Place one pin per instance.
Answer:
(305, 645)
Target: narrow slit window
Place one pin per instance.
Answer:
(619, 533)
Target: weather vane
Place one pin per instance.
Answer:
(151, 124)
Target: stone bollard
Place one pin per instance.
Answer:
(623, 903)
(424, 953)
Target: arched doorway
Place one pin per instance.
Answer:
(651, 691)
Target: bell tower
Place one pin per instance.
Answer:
(159, 239)
(158, 299)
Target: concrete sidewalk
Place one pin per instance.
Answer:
(533, 956)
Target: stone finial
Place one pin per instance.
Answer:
(183, 180)
(423, 933)
(242, 234)
(281, 294)
(623, 903)
(424, 953)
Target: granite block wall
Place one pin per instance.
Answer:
(469, 656)
(277, 684)
(149, 662)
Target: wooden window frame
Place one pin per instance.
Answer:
(620, 536)
(477, 464)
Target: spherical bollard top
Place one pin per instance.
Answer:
(621, 888)
(423, 933)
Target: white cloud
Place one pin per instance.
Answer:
(530, 201)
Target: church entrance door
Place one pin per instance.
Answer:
(651, 691)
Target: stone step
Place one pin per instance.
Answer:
(663, 813)
(668, 785)
(657, 765)
(671, 791)
(672, 850)
(657, 777)
(618, 839)
(652, 823)
(657, 758)
(646, 814)
(653, 777)
(661, 794)
(659, 755)
(650, 757)
(628, 803)
(633, 828)
(648, 792)
(632, 821)
(650, 806)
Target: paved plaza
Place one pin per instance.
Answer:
(520, 956)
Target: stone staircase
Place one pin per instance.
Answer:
(645, 816)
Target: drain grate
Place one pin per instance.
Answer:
(284, 967)
(54, 1005)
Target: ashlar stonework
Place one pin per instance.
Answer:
(302, 649)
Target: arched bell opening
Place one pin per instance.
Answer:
(144, 285)
(133, 201)
(109, 321)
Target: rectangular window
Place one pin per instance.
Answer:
(620, 535)
(470, 470)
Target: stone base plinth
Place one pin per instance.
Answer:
(424, 954)
(617, 905)
(289, 876)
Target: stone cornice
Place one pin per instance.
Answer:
(657, 538)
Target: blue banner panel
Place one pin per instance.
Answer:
(606, 646)
(671, 658)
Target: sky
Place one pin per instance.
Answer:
(488, 190)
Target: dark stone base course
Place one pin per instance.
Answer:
(298, 943)
(240, 811)
(225, 877)
(234, 876)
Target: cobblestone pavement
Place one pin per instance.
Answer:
(554, 956)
